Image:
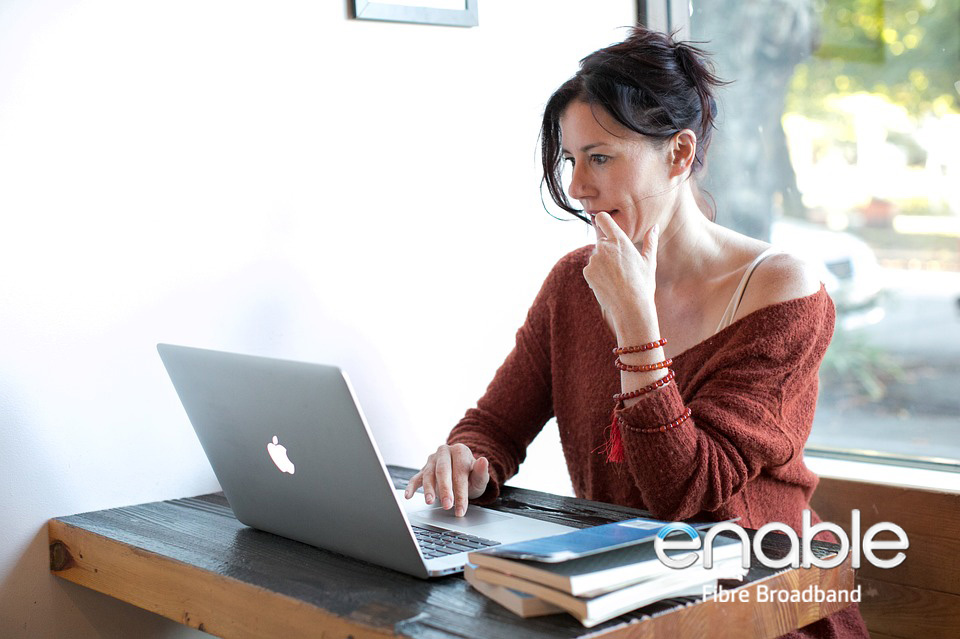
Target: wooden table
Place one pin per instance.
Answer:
(190, 560)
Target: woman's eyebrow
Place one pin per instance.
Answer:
(586, 148)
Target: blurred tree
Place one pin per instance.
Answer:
(905, 50)
(757, 44)
(794, 56)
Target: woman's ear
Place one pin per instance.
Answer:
(683, 151)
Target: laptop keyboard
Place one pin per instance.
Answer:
(435, 542)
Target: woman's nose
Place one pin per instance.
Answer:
(578, 184)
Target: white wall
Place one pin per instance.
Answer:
(270, 178)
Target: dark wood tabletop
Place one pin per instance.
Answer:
(190, 560)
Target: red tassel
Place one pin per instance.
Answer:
(615, 440)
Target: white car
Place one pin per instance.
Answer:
(847, 266)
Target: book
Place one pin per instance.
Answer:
(599, 573)
(591, 611)
(587, 541)
(519, 603)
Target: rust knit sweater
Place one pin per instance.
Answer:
(752, 389)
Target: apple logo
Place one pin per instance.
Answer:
(278, 454)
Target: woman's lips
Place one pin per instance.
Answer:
(594, 214)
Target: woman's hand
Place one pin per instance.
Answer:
(453, 475)
(621, 277)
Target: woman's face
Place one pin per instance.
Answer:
(614, 169)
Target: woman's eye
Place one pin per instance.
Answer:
(570, 160)
(599, 159)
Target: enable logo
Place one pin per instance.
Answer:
(793, 557)
(691, 543)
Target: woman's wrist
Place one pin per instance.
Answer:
(632, 382)
(636, 325)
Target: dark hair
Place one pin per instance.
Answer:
(649, 83)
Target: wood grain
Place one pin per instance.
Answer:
(190, 560)
(933, 513)
(187, 594)
(931, 563)
(904, 611)
(737, 619)
(933, 558)
(920, 598)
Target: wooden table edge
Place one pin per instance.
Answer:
(217, 604)
(738, 619)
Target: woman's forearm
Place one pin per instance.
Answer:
(639, 325)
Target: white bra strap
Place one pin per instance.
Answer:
(734, 304)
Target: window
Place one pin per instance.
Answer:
(840, 139)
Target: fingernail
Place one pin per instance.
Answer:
(428, 498)
(656, 229)
(460, 511)
(447, 503)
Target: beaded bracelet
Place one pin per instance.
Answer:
(663, 381)
(613, 447)
(660, 429)
(645, 368)
(626, 350)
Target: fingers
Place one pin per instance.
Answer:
(479, 477)
(429, 484)
(415, 482)
(453, 476)
(444, 472)
(607, 229)
(463, 463)
(425, 478)
(650, 241)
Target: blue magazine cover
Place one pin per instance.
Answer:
(587, 541)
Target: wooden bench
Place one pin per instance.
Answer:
(920, 598)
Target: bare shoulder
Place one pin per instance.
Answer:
(779, 278)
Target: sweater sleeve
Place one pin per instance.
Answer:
(752, 406)
(517, 403)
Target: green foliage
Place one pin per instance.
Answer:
(856, 364)
(906, 50)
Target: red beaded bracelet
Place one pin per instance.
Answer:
(613, 447)
(644, 368)
(626, 350)
(663, 381)
(666, 427)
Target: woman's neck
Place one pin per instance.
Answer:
(688, 242)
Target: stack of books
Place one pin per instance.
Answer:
(597, 573)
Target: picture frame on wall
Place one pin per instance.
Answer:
(453, 13)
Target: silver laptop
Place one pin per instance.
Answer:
(294, 456)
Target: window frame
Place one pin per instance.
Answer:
(668, 16)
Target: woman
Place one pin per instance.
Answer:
(704, 343)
